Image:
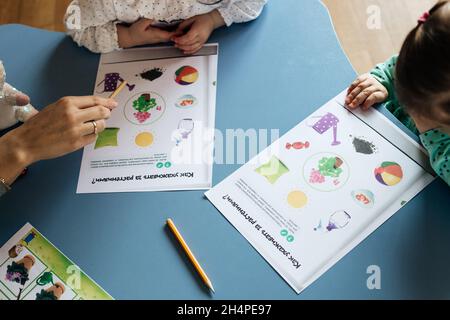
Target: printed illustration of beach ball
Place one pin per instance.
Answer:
(186, 75)
(389, 173)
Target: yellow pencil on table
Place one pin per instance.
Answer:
(190, 255)
(118, 90)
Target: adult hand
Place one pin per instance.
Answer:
(59, 129)
(142, 33)
(366, 91)
(199, 30)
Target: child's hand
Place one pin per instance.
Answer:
(366, 91)
(141, 33)
(200, 29)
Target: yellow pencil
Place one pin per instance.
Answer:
(190, 255)
(120, 88)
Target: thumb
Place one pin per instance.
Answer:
(13, 97)
(184, 25)
(22, 100)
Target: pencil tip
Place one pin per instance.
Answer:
(212, 288)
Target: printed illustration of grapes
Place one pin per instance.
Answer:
(143, 105)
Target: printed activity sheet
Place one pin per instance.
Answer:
(31, 268)
(161, 137)
(322, 188)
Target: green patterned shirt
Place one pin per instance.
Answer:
(436, 142)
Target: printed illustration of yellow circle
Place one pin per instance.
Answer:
(297, 199)
(144, 139)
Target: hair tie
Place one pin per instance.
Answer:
(424, 17)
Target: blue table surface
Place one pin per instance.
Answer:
(273, 73)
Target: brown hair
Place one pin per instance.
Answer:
(423, 66)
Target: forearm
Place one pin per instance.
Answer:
(13, 159)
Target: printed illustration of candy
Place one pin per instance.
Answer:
(389, 173)
(273, 170)
(297, 145)
(186, 101)
(107, 138)
(364, 198)
(186, 75)
(112, 82)
(325, 123)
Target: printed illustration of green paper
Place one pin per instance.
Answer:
(107, 138)
(272, 170)
(51, 271)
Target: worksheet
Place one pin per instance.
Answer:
(161, 137)
(31, 268)
(318, 191)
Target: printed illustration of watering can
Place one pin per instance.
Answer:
(324, 124)
(112, 82)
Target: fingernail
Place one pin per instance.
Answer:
(114, 104)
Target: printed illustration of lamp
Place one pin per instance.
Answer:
(325, 123)
(112, 82)
(338, 220)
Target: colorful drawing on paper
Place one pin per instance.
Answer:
(145, 108)
(273, 170)
(144, 139)
(326, 172)
(326, 123)
(338, 220)
(186, 75)
(297, 199)
(112, 81)
(363, 145)
(151, 74)
(184, 130)
(297, 145)
(18, 271)
(187, 101)
(107, 138)
(53, 292)
(364, 198)
(389, 173)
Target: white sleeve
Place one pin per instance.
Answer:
(237, 11)
(92, 24)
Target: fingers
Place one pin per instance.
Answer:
(362, 96)
(184, 25)
(14, 97)
(356, 92)
(192, 49)
(358, 80)
(89, 101)
(87, 140)
(162, 34)
(22, 100)
(88, 128)
(188, 39)
(94, 113)
(373, 99)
